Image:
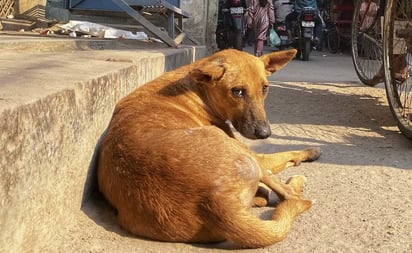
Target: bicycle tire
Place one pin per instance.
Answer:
(366, 41)
(397, 52)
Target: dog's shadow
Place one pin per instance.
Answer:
(95, 206)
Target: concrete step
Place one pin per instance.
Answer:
(56, 99)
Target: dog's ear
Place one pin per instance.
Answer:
(277, 60)
(208, 72)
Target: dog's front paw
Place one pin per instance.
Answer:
(313, 154)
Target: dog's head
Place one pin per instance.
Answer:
(236, 85)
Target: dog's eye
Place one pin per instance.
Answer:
(265, 89)
(238, 92)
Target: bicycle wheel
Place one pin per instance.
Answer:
(397, 56)
(366, 40)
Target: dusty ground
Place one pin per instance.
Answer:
(361, 183)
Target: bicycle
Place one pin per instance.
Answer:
(385, 55)
(397, 58)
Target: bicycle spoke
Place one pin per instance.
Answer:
(370, 55)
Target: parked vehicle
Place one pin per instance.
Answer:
(303, 32)
(230, 25)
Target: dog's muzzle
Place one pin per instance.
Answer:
(257, 130)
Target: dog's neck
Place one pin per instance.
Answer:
(191, 99)
(197, 103)
(215, 118)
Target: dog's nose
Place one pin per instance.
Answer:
(263, 131)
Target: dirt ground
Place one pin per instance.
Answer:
(360, 185)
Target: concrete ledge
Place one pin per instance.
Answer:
(54, 106)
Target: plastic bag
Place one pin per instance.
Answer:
(274, 39)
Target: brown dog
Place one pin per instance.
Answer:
(171, 166)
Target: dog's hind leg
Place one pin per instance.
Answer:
(279, 161)
(291, 190)
(242, 227)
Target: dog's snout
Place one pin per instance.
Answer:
(263, 131)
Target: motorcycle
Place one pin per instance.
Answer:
(303, 32)
(230, 25)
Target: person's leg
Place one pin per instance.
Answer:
(258, 47)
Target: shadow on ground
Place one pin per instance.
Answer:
(354, 123)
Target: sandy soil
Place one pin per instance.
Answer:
(360, 185)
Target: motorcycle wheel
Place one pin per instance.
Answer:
(238, 42)
(297, 45)
(306, 49)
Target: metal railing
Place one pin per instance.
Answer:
(6, 8)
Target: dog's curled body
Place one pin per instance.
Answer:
(171, 166)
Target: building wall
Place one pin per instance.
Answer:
(202, 23)
(200, 26)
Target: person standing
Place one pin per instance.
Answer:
(262, 15)
(282, 9)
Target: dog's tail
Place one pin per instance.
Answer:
(243, 228)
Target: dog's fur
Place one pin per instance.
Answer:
(172, 167)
